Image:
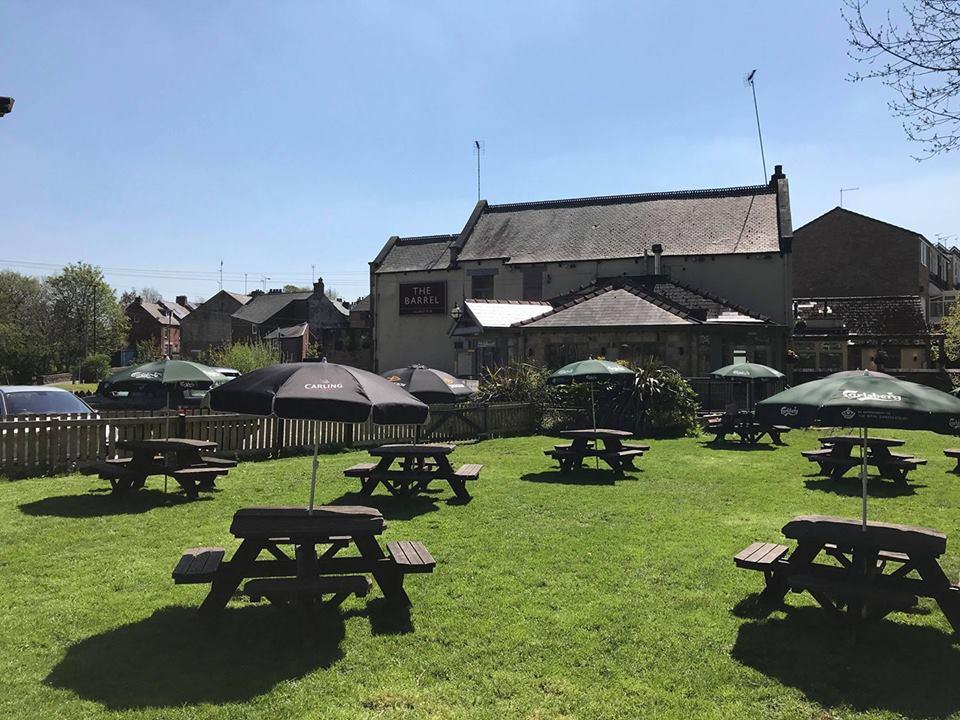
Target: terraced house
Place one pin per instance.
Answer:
(687, 276)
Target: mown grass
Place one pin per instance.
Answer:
(554, 597)
(77, 387)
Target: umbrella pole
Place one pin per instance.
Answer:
(167, 432)
(316, 451)
(593, 412)
(863, 473)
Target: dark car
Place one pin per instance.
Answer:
(40, 400)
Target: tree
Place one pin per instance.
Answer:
(85, 317)
(950, 327)
(918, 56)
(295, 288)
(147, 294)
(243, 356)
(24, 352)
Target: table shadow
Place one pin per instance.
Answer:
(177, 657)
(850, 486)
(909, 670)
(742, 447)
(98, 504)
(391, 507)
(585, 476)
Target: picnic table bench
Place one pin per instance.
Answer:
(836, 458)
(417, 467)
(586, 443)
(314, 573)
(183, 459)
(742, 424)
(955, 454)
(868, 574)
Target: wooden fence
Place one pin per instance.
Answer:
(41, 445)
(717, 394)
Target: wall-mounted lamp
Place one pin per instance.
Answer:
(456, 313)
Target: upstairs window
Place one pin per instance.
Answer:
(481, 287)
(532, 284)
(924, 254)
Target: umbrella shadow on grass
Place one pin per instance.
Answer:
(390, 506)
(851, 487)
(584, 476)
(739, 446)
(893, 667)
(99, 504)
(177, 657)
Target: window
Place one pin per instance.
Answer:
(533, 284)
(924, 254)
(481, 287)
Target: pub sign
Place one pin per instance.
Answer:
(427, 298)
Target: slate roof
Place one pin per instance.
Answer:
(864, 315)
(700, 222)
(361, 305)
(156, 311)
(239, 297)
(653, 301)
(504, 313)
(263, 307)
(179, 311)
(427, 252)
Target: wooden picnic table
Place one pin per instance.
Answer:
(586, 443)
(181, 458)
(305, 566)
(868, 573)
(836, 456)
(416, 467)
(744, 425)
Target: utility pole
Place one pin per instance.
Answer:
(478, 148)
(244, 283)
(221, 274)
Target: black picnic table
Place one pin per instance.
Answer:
(744, 425)
(866, 573)
(416, 467)
(586, 443)
(836, 457)
(305, 566)
(184, 459)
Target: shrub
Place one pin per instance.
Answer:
(243, 356)
(95, 368)
(657, 402)
(146, 351)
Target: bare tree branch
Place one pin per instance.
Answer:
(917, 55)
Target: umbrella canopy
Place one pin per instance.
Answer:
(589, 371)
(319, 391)
(864, 400)
(429, 385)
(748, 371)
(178, 373)
(860, 373)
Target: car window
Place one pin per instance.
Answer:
(29, 402)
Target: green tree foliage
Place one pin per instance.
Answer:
(85, 317)
(24, 351)
(146, 351)
(147, 294)
(243, 356)
(950, 327)
(295, 288)
(95, 368)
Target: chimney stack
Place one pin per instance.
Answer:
(182, 300)
(657, 252)
(318, 287)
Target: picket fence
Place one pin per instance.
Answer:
(41, 445)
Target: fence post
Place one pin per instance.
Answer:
(277, 436)
(348, 435)
(181, 425)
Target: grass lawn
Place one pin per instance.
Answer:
(77, 387)
(553, 598)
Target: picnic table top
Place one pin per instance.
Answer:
(847, 532)
(856, 440)
(299, 521)
(166, 444)
(398, 450)
(598, 434)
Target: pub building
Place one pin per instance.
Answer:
(685, 276)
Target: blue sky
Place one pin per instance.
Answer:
(163, 138)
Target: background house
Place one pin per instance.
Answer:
(210, 324)
(157, 324)
(731, 243)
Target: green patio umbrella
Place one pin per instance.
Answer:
(863, 401)
(170, 373)
(590, 371)
(748, 371)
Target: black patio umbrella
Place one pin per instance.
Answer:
(319, 391)
(865, 400)
(428, 384)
